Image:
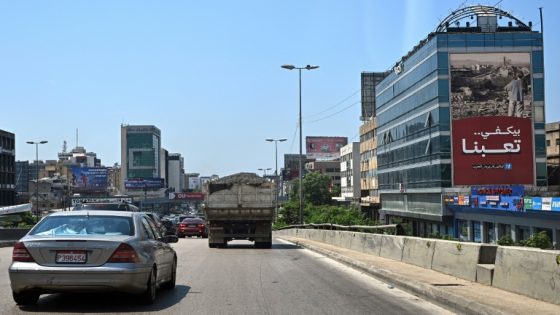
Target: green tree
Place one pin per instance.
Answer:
(289, 213)
(316, 189)
(335, 214)
(540, 240)
(506, 240)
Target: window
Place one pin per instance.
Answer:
(84, 225)
(557, 141)
(548, 143)
(148, 229)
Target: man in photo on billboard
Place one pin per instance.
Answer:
(515, 92)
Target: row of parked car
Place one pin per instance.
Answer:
(109, 247)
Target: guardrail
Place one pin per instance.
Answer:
(398, 230)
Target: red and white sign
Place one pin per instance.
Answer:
(324, 148)
(194, 196)
(494, 150)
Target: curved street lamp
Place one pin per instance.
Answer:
(264, 170)
(292, 67)
(276, 170)
(37, 173)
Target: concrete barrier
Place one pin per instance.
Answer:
(456, 258)
(392, 247)
(330, 237)
(528, 271)
(345, 239)
(373, 244)
(358, 241)
(418, 251)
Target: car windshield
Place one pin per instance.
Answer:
(84, 225)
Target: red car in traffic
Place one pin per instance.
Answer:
(192, 227)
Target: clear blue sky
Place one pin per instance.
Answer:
(207, 73)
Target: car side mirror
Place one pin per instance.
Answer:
(170, 239)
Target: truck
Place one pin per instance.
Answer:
(240, 207)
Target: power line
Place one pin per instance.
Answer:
(334, 106)
(333, 114)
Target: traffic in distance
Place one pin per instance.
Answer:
(104, 246)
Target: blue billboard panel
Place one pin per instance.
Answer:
(542, 203)
(89, 179)
(144, 183)
(555, 204)
(505, 203)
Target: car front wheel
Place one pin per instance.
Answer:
(25, 298)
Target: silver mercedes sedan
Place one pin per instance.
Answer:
(85, 251)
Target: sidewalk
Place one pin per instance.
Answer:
(452, 293)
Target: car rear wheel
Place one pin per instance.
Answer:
(25, 298)
(149, 296)
(171, 283)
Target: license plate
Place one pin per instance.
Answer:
(192, 225)
(71, 257)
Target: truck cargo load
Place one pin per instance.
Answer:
(240, 206)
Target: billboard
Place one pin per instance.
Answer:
(194, 183)
(89, 179)
(491, 111)
(324, 148)
(142, 183)
(542, 203)
(189, 196)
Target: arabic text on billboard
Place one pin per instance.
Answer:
(141, 183)
(89, 179)
(324, 148)
(491, 109)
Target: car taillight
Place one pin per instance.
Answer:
(182, 225)
(201, 225)
(124, 254)
(21, 253)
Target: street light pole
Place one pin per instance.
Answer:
(37, 174)
(264, 170)
(292, 67)
(276, 169)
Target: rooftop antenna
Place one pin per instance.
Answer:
(64, 146)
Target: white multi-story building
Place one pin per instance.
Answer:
(176, 172)
(350, 173)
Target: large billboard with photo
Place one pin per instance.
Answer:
(89, 179)
(491, 109)
(324, 148)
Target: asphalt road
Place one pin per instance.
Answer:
(241, 280)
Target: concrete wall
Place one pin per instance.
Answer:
(456, 258)
(528, 271)
(418, 251)
(392, 247)
(531, 272)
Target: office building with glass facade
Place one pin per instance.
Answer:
(7, 168)
(465, 107)
(140, 155)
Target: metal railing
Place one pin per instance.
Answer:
(396, 228)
